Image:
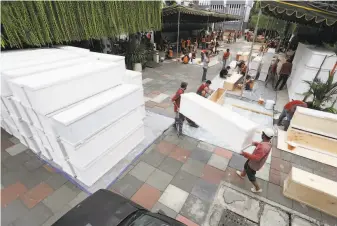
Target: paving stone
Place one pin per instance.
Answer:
(165, 147)
(16, 149)
(237, 161)
(59, 198)
(272, 216)
(11, 177)
(36, 216)
(287, 156)
(212, 174)
(147, 80)
(186, 221)
(218, 162)
(142, 171)
(79, 198)
(11, 193)
(200, 155)
(154, 158)
(184, 181)
(263, 173)
(12, 162)
(297, 221)
(36, 195)
(195, 209)
(276, 152)
(174, 198)
(170, 166)
(159, 179)
(150, 104)
(329, 220)
(57, 215)
(204, 190)
(125, 172)
(147, 196)
(168, 212)
(33, 164)
(231, 218)
(127, 186)
(223, 153)
(172, 138)
(275, 176)
(160, 98)
(73, 187)
(241, 204)
(14, 140)
(180, 154)
(280, 165)
(56, 180)
(12, 211)
(35, 177)
(275, 194)
(188, 143)
(206, 146)
(193, 167)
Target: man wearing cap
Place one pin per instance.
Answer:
(257, 159)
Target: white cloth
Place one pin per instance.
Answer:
(205, 62)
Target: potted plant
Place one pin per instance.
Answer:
(135, 53)
(322, 93)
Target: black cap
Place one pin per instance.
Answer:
(208, 82)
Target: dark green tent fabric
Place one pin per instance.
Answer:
(310, 13)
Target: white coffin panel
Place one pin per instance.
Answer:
(220, 121)
(36, 119)
(5, 114)
(10, 122)
(108, 58)
(74, 49)
(5, 126)
(105, 162)
(84, 119)
(22, 126)
(50, 91)
(22, 111)
(17, 134)
(83, 154)
(11, 106)
(133, 77)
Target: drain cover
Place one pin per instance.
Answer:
(229, 218)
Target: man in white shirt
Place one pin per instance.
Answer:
(205, 66)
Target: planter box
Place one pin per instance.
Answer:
(218, 120)
(312, 190)
(218, 96)
(105, 162)
(83, 120)
(50, 91)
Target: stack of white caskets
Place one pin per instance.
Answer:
(82, 110)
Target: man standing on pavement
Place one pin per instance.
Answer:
(256, 160)
(225, 58)
(205, 66)
(288, 112)
(179, 119)
(284, 73)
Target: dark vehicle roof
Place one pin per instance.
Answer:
(105, 208)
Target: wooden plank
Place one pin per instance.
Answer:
(314, 121)
(218, 96)
(253, 110)
(312, 190)
(323, 157)
(311, 141)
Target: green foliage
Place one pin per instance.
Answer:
(322, 93)
(39, 23)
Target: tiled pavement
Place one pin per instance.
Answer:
(177, 175)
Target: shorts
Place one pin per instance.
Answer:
(250, 172)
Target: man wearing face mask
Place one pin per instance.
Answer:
(257, 159)
(179, 119)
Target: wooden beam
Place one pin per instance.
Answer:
(312, 190)
(311, 141)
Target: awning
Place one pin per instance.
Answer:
(191, 15)
(303, 12)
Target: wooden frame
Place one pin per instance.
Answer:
(218, 96)
(311, 141)
(229, 83)
(312, 190)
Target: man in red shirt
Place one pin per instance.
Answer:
(204, 88)
(225, 58)
(288, 112)
(284, 74)
(257, 159)
(180, 118)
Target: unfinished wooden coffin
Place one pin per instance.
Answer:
(218, 96)
(297, 137)
(230, 82)
(312, 190)
(314, 121)
(50, 91)
(221, 121)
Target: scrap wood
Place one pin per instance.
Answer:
(255, 111)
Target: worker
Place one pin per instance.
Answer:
(205, 62)
(229, 38)
(257, 159)
(179, 119)
(243, 68)
(204, 89)
(224, 72)
(183, 45)
(288, 112)
(170, 53)
(284, 74)
(272, 72)
(225, 58)
(203, 42)
(249, 83)
(188, 42)
(185, 59)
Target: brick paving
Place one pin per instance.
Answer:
(180, 176)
